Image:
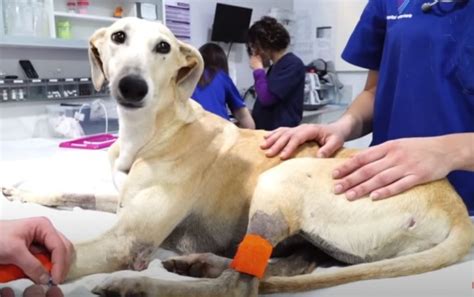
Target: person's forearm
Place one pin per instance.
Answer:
(264, 95)
(357, 120)
(244, 118)
(460, 148)
(360, 115)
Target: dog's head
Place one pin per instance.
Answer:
(144, 63)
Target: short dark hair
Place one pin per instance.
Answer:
(268, 34)
(215, 60)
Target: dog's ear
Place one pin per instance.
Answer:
(95, 60)
(190, 71)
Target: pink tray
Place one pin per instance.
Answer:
(94, 142)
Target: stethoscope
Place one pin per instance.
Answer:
(428, 6)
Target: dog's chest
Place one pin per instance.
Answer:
(198, 235)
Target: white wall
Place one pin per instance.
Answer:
(342, 16)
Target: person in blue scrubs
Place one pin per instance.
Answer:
(215, 90)
(418, 102)
(280, 90)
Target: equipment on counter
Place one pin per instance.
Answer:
(76, 120)
(321, 85)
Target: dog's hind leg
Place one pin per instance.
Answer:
(100, 201)
(205, 265)
(231, 283)
(302, 260)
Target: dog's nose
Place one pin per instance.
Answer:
(133, 88)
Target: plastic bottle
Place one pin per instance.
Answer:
(71, 6)
(82, 6)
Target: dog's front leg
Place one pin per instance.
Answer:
(101, 201)
(142, 226)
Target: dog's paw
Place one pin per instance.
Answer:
(122, 287)
(197, 265)
(12, 194)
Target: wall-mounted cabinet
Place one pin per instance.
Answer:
(63, 23)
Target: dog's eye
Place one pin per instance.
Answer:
(163, 47)
(119, 37)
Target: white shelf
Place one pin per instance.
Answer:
(85, 17)
(36, 42)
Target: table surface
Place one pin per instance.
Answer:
(27, 161)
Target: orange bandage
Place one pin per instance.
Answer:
(12, 272)
(252, 256)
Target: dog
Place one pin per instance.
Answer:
(194, 183)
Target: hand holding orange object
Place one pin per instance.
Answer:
(10, 272)
(19, 241)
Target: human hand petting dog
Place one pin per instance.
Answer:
(380, 171)
(285, 141)
(396, 166)
(34, 291)
(21, 238)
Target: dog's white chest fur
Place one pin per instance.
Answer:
(135, 137)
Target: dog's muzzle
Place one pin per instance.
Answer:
(132, 90)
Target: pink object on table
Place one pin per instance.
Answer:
(93, 142)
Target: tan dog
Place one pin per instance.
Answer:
(192, 182)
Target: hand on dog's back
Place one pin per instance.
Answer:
(285, 141)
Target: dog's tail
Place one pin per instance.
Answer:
(456, 245)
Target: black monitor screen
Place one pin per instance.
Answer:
(231, 23)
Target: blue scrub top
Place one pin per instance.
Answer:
(426, 72)
(219, 94)
(286, 80)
